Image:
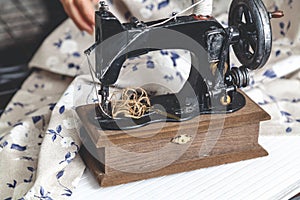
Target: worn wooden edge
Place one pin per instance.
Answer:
(118, 177)
(82, 112)
(93, 164)
(204, 122)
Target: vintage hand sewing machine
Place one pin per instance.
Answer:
(208, 111)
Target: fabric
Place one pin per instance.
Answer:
(38, 130)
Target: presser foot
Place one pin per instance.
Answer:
(169, 108)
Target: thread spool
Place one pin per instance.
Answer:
(204, 8)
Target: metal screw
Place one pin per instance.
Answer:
(102, 3)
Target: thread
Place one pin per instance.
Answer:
(134, 103)
(183, 11)
(92, 72)
(204, 8)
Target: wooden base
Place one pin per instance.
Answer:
(152, 151)
(105, 180)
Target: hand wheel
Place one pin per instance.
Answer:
(255, 37)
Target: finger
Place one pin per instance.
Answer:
(86, 10)
(75, 15)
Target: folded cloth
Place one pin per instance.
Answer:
(38, 130)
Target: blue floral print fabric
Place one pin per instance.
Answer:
(39, 142)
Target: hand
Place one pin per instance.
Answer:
(81, 12)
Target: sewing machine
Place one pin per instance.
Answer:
(208, 122)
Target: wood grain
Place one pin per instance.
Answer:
(124, 156)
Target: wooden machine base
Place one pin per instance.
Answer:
(117, 157)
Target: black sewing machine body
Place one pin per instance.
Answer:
(212, 84)
(117, 155)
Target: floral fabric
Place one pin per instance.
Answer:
(38, 130)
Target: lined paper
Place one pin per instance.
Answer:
(276, 176)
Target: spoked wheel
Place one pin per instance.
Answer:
(253, 22)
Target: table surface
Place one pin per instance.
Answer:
(276, 176)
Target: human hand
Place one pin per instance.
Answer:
(81, 12)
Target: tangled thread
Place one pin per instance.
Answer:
(134, 103)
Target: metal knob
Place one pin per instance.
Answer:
(102, 5)
(276, 14)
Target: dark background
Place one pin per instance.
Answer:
(23, 26)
